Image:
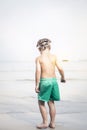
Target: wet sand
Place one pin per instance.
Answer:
(19, 107)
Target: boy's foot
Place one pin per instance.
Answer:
(42, 126)
(52, 125)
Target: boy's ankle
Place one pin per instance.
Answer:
(45, 122)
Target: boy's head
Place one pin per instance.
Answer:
(44, 43)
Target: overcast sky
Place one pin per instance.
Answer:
(24, 22)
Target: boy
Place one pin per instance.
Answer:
(46, 82)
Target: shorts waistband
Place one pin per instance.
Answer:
(43, 79)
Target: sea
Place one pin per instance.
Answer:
(17, 78)
(25, 70)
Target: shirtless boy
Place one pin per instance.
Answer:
(46, 83)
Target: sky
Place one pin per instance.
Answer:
(24, 22)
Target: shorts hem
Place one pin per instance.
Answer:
(48, 100)
(43, 100)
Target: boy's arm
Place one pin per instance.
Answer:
(60, 71)
(37, 75)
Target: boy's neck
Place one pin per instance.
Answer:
(46, 51)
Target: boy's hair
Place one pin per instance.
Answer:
(44, 43)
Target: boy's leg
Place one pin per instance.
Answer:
(52, 111)
(44, 115)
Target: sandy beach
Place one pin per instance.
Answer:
(19, 107)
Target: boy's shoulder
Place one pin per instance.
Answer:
(37, 58)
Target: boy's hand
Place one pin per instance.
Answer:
(37, 89)
(63, 80)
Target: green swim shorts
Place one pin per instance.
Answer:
(49, 90)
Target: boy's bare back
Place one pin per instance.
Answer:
(47, 62)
